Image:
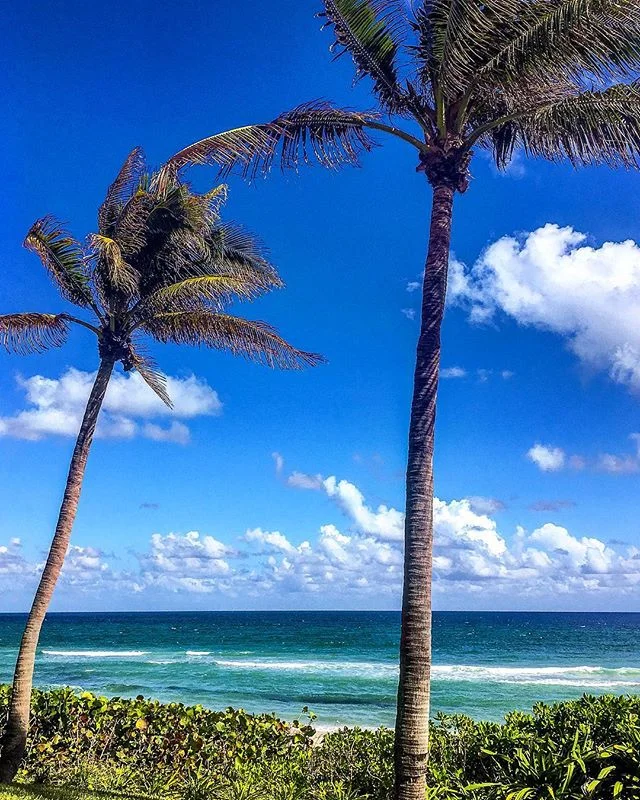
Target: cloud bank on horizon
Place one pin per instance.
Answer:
(361, 560)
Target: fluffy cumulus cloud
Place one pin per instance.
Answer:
(359, 557)
(189, 562)
(55, 407)
(84, 568)
(13, 564)
(548, 459)
(383, 522)
(552, 279)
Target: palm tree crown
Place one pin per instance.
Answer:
(557, 78)
(162, 264)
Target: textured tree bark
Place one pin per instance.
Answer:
(412, 720)
(15, 736)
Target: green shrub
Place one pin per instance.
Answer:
(589, 748)
(361, 760)
(69, 730)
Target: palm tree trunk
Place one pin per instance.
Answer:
(15, 736)
(412, 720)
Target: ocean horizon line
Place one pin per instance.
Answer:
(321, 611)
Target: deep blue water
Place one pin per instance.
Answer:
(340, 664)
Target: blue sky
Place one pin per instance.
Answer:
(542, 328)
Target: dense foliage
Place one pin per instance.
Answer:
(589, 748)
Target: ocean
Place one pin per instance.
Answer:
(342, 665)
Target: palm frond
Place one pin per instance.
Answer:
(372, 39)
(568, 38)
(311, 132)
(214, 290)
(215, 198)
(588, 128)
(451, 40)
(256, 341)
(121, 190)
(62, 256)
(240, 253)
(32, 333)
(151, 375)
(113, 275)
(464, 43)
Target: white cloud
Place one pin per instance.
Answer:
(12, 562)
(410, 313)
(412, 286)
(453, 372)
(278, 462)
(551, 279)
(486, 505)
(271, 539)
(483, 375)
(384, 522)
(618, 465)
(185, 562)
(300, 480)
(55, 407)
(177, 432)
(553, 459)
(548, 459)
(471, 555)
(85, 565)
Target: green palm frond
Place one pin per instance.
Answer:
(112, 273)
(62, 256)
(451, 40)
(588, 128)
(372, 39)
(256, 341)
(32, 333)
(314, 131)
(121, 190)
(150, 374)
(568, 38)
(214, 290)
(168, 265)
(130, 226)
(239, 253)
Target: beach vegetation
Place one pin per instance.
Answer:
(552, 79)
(164, 267)
(588, 748)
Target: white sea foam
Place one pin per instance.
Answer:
(96, 653)
(586, 675)
(369, 668)
(580, 676)
(583, 676)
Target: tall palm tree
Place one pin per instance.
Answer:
(554, 78)
(164, 265)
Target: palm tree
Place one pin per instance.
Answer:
(554, 78)
(162, 264)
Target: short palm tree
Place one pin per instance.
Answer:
(554, 78)
(161, 265)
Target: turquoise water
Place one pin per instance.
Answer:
(340, 664)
